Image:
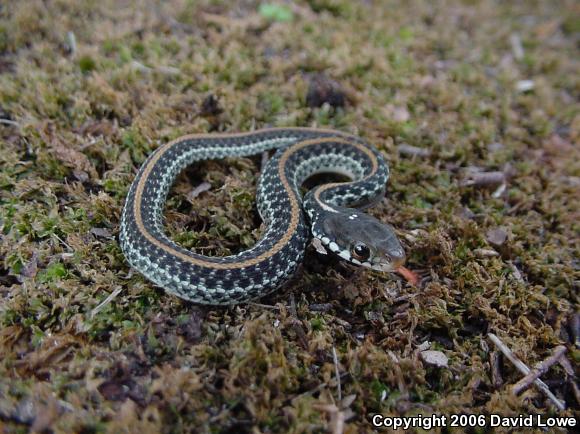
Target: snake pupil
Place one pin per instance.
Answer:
(361, 251)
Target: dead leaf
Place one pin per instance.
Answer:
(433, 357)
(485, 253)
(318, 246)
(496, 236)
(204, 186)
(101, 233)
(73, 159)
(401, 114)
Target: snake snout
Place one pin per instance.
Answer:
(397, 258)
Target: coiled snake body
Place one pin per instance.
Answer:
(302, 152)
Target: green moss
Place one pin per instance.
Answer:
(109, 349)
(53, 272)
(87, 64)
(276, 12)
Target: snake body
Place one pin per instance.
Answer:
(290, 219)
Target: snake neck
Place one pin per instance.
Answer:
(324, 201)
(318, 203)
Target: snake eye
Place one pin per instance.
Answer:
(361, 252)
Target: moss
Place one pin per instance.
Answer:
(275, 12)
(87, 64)
(53, 272)
(91, 346)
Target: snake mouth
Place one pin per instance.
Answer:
(388, 266)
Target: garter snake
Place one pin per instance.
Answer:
(326, 212)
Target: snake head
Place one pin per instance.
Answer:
(360, 239)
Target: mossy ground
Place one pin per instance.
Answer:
(80, 114)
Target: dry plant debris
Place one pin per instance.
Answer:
(475, 106)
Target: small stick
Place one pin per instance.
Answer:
(575, 390)
(337, 417)
(525, 370)
(575, 326)
(72, 42)
(516, 273)
(485, 253)
(565, 363)
(263, 306)
(399, 375)
(320, 307)
(413, 151)
(321, 386)
(106, 301)
(140, 67)
(542, 367)
(9, 122)
(495, 370)
(337, 373)
(483, 179)
(129, 274)
(63, 242)
(201, 188)
(293, 310)
(517, 48)
(297, 325)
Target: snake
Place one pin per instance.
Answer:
(331, 212)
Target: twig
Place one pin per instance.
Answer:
(485, 253)
(483, 179)
(399, 375)
(72, 42)
(517, 48)
(339, 321)
(318, 388)
(293, 310)
(167, 70)
(499, 191)
(63, 242)
(565, 363)
(542, 367)
(525, 370)
(575, 326)
(575, 390)
(264, 306)
(9, 122)
(203, 187)
(320, 307)
(140, 67)
(337, 417)
(297, 325)
(516, 273)
(129, 274)
(495, 370)
(106, 301)
(337, 373)
(413, 151)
